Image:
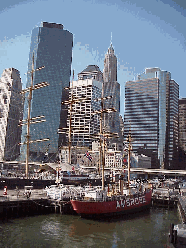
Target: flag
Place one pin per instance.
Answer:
(88, 156)
(125, 147)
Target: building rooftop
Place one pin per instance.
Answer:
(52, 25)
(91, 68)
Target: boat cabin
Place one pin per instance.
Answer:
(96, 195)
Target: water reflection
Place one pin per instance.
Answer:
(140, 230)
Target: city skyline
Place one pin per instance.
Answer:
(143, 35)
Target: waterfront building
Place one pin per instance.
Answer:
(83, 94)
(64, 155)
(111, 87)
(51, 47)
(113, 155)
(11, 111)
(140, 161)
(151, 114)
(113, 159)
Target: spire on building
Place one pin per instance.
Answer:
(110, 65)
(111, 49)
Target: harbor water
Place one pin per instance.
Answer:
(146, 229)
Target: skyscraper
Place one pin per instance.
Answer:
(182, 124)
(151, 113)
(85, 91)
(111, 88)
(110, 66)
(11, 111)
(182, 133)
(51, 46)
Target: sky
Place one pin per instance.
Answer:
(145, 33)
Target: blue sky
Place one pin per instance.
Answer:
(145, 33)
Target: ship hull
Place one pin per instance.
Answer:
(118, 206)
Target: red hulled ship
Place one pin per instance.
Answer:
(115, 205)
(99, 201)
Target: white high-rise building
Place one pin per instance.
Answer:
(84, 92)
(11, 110)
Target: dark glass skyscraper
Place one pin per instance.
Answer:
(51, 46)
(151, 113)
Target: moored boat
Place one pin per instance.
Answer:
(102, 202)
(76, 179)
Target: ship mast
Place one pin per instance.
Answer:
(33, 120)
(72, 100)
(70, 124)
(103, 134)
(102, 140)
(129, 139)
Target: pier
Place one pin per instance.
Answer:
(165, 197)
(177, 235)
(18, 203)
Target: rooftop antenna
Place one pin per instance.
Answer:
(111, 39)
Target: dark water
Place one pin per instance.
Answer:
(148, 229)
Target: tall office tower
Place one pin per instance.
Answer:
(11, 111)
(84, 92)
(110, 66)
(51, 47)
(151, 114)
(111, 88)
(182, 124)
(182, 133)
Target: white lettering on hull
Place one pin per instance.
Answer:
(130, 202)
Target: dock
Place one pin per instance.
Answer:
(164, 197)
(177, 235)
(17, 204)
(182, 208)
